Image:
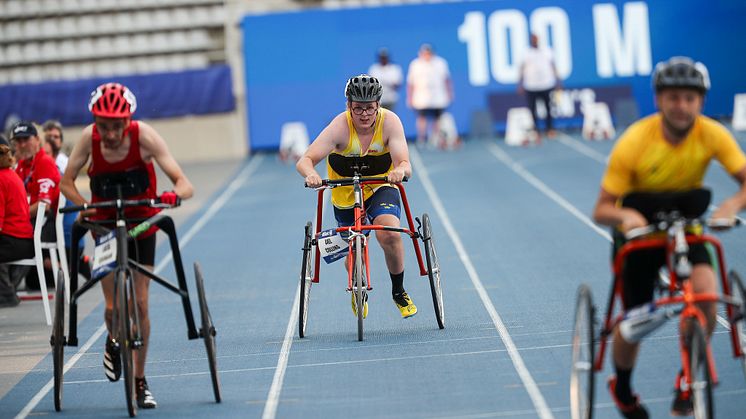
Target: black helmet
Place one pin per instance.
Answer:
(681, 72)
(363, 88)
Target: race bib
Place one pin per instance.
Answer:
(332, 245)
(104, 255)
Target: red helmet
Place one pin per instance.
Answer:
(112, 100)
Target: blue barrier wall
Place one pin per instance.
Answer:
(162, 95)
(297, 63)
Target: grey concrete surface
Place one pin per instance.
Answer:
(24, 335)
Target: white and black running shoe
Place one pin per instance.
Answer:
(145, 399)
(112, 360)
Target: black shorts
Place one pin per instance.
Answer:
(142, 250)
(14, 248)
(430, 112)
(385, 200)
(641, 269)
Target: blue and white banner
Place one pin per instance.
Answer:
(297, 63)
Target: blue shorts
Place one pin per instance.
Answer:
(385, 200)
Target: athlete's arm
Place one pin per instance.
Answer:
(393, 131)
(78, 158)
(156, 146)
(327, 141)
(731, 206)
(607, 213)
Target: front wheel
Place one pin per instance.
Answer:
(58, 339)
(306, 279)
(738, 322)
(126, 340)
(701, 385)
(581, 375)
(207, 332)
(359, 285)
(433, 270)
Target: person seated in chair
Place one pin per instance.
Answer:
(16, 233)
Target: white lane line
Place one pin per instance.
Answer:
(582, 148)
(533, 390)
(546, 190)
(273, 397)
(214, 208)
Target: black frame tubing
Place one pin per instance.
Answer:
(166, 224)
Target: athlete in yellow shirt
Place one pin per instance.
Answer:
(665, 152)
(366, 133)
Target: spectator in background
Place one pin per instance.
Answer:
(40, 177)
(429, 89)
(390, 76)
(538, 77)
(16, 234)
(53, 141)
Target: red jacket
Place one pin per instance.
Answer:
(14, 209)
(41, 178)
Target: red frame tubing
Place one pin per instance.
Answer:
(632, 246)
(360, 228)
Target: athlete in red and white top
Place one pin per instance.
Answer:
(117, 146)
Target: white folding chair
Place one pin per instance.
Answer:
(56, 255)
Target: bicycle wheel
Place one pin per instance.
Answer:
(359, 285)
(124, 331)
(739, 320)
(58, 339)
(582, 374)
(207, 332)
(306, 280)
(433, 270)
(701, 385)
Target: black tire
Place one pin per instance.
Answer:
(701, 386)
(433, 270)
(306, 279)
(125, 339)
(208, 332)
(583, 352)
(358, 285)
(738, 322)
(58, 339)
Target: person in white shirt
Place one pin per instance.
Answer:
(390, 76)
(538, 77)
(53, 143)
(429, 89)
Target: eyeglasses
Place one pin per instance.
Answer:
(357, 110)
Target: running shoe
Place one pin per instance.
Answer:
(682, 402)
(112, 361)
(405, 305)
(634, 410)
(145, 399)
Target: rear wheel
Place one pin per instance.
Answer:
(739, 320)
(125, 340)
(581, 375)
(359, 285)
(701, 385)
(58, 340)
(207, 332)
(433, 270)
(306, 279)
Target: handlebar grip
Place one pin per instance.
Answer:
(723, 223)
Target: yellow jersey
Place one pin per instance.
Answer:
(643, 161)
(377, 159)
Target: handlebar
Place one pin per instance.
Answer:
(333, 183)
(665, 225)
(121, 203)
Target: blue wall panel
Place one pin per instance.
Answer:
(296, 63)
